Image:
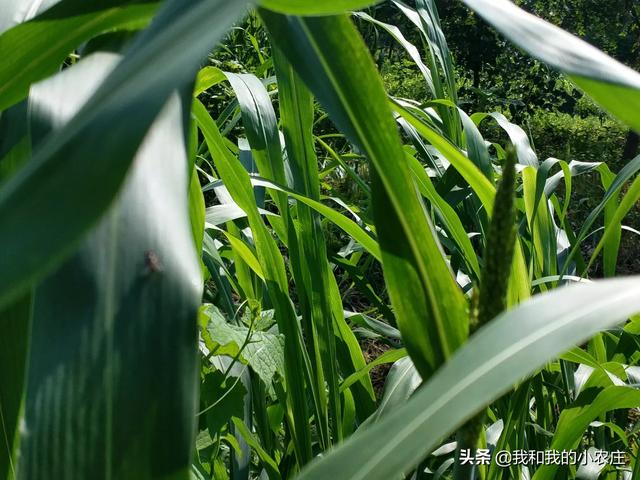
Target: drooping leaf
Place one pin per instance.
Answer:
(613, 85)
(509, 348)
(403, 379)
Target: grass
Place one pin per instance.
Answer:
(207, 282)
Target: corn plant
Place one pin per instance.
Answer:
(175, 285)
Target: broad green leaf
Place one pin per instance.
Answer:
(222, 398)
(261, 350)
(333, 61)
(55, 191)
(128, 296)
(613, 85)
(36, 49)
(324, 7)
(511, 347)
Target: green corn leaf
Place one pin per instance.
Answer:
(429, 20)
(244, 251)
(476, 147)
(261, 127)
(518, 137)
(349, 354)
(481, 185)
(311, 269)
(447, 214)
(269, 464)
(207, 78)
(483, 188)
(540, 223)
(38, 199)
(350, 227)
(401, 382)
(132, 285)
(325, 7)
(511, 347)
(34, 50)
(197, 211)
(627, 172)
(220, 214)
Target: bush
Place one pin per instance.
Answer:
(570, 137)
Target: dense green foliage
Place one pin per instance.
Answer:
(209, 263)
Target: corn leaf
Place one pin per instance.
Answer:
(37, 199)
(511, 347)
(325, 7)
(132, 285)
(35, 49)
